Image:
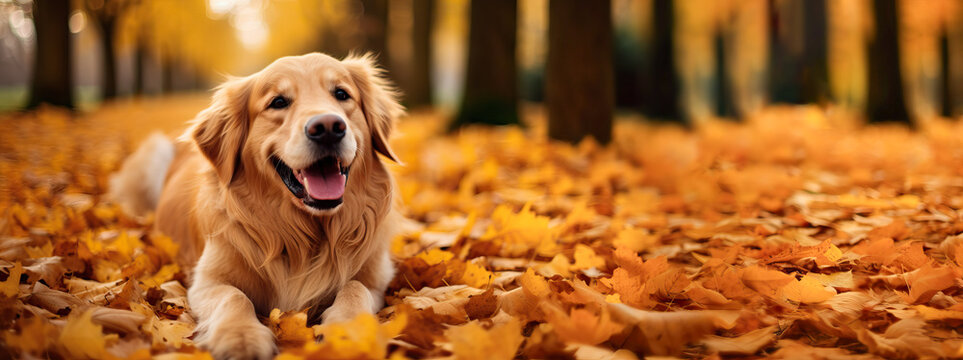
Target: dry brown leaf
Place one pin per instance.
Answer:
(745, 344)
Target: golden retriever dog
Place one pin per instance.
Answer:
(277, 197)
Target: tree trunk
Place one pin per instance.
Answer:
(725, 107)
(139, 52)
(52, 81)
(784, 54)
(946, 92)
(885, 99)
(629, 69)
(660, 99)
(491, 84)
(798, 63)
(815, 76)
(108, 75)
(375, 29)
(579, 77)
(418, 88)
(167, 74)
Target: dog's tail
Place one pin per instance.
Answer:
(137, 186)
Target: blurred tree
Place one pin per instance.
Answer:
(946, 96)
(579, 88)
(51, 81)
(725, 106)
(953, 65)
(491, 84)
(660, 97)
(140, 53)
(885, 100)
(417, 88)
(374, 28)
(629, 69)
(798, 63)
(166, 72)
(106, 14)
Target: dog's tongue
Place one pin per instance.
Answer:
(323, 181)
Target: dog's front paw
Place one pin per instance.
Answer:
(240, 342)
(353, 300)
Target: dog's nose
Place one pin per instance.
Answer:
(325, 129)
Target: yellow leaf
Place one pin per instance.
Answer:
(534, 285)
(36, 334)
(290, 328)
(81, 338)
(435, 256)
(126, 244)
(930, 313)
(558, 266)
(361, 338)
(585, 258)
(11, 287)
(163, 332)
(635, 240)
(808, 290)
(765, 281)
(165, 274)
(166, 245)
(40, 251)
(583, 326)
(833, 253)
(476, 276)
(522, 232)
(843, 279)
(471, 341)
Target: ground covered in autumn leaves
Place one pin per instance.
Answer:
(793, 235)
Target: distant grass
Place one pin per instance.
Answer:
(15, 97)
(12, 98)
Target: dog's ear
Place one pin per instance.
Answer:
(220, 130)
(379, 100)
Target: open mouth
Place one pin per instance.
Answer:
(320, 186)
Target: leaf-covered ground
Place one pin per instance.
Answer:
(793, 235)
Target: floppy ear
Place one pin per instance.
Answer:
(220, 130)
(379, 100)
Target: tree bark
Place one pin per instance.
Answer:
(815, 76)
(139, 55)
(375, 29)
(418, 88)
(108, 75)
(660, 99)
(167, 74)
(946, 92)
(725, 106)
(885, 100)
(491, 84)
(52, 81)
(798, 63)
(579, 72)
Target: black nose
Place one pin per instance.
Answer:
(327, 129)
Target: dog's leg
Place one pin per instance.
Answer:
(228, 326)
(365, 293)
(353, 299)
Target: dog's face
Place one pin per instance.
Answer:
(301, 125)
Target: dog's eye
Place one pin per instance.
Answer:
(279, 102)
(341, 95)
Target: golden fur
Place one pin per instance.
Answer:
(256, 246)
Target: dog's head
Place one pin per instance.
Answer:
(300, 126)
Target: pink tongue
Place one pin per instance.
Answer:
(324, 184)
